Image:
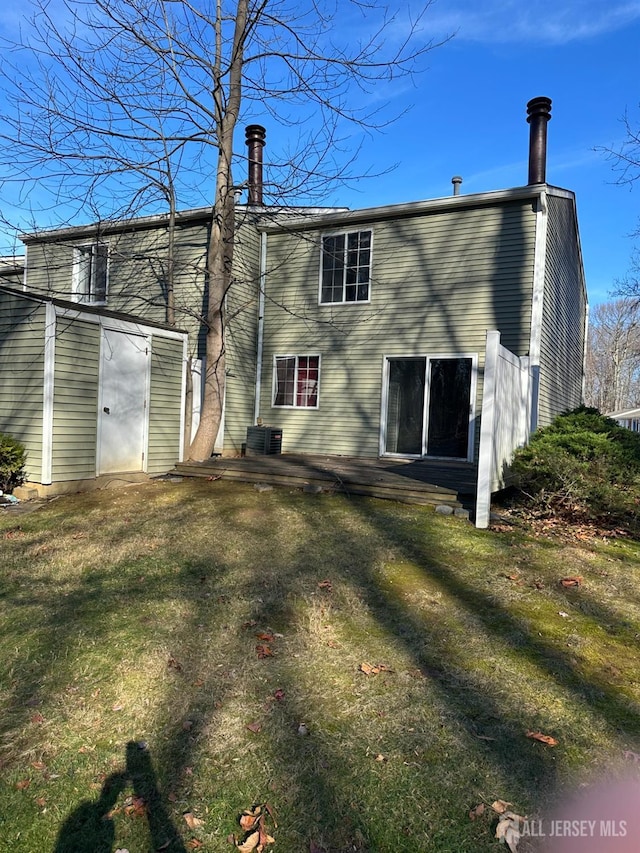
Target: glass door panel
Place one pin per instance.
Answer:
(449, 401)
(405, 406)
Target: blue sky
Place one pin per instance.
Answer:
(469, 114)
(466, 114)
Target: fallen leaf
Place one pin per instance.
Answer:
(572, 581)
(23, 784)
(508, 830)
(198, 682)
(550, 741)
(380, 757)
(326, 585)
(172, 663)
(513, 577)
(500, 806)
(279, 695)
(477, 811)
(368, 669)
(194, 844)
(135, 807)
(332, 644)
(255, 727)
(248, 822)
(192, 821)
(267, 636)
(38, 765)
(41, 801)
(187, 725)
(263, 651)
(37, 718)
(250, 843)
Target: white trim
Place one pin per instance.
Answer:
(537, 303)
(485, 454)
(24, 269)
(76, 264)
(48, 393)
(117, 325)
(260, 344)
(297, 356)
(473, 391)
(345, 234)
(183, 400)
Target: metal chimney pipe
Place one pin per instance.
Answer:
(456, 181)
(538, 114)
(255, 138)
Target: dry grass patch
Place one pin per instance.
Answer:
(368, 669)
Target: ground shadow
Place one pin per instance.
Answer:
(91, 829)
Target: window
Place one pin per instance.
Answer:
(90, 272)
(295, 381)
(346, 267)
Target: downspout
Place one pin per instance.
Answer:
(47, 393)
(260, 343)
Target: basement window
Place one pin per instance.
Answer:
(90, 272)
(295, 381)
(345, 274)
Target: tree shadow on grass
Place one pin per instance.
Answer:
(91, 829)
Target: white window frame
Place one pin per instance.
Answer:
(81, 292)
(346, 234)
(274, 390)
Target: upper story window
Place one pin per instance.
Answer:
(345, 274)
(90, 270)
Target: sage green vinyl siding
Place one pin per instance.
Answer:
(241, 339)
(563, 315)
(440, 280)
(75, 400)
(165, 398)
(49, 268)
(22, 333)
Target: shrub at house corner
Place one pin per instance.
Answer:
(12, 461)
(582, 463)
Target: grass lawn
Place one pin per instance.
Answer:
(174, 653)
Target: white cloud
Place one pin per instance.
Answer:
(543, 21)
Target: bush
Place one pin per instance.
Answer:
(12, 461)
(583, 464)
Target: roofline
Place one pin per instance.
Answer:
(625, 414)
(84, 308)
(141, 222)
(451, 202)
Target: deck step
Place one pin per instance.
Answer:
(423, 494)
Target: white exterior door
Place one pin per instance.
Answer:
(123, 402)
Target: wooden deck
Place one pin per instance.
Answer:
(419, 482)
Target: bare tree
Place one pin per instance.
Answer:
(612, 376)
(120, 102)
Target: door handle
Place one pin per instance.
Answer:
(107, 410)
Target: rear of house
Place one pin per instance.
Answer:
(375, 322)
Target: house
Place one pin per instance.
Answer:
(629, 418)
(441, 330)
(90, 393)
